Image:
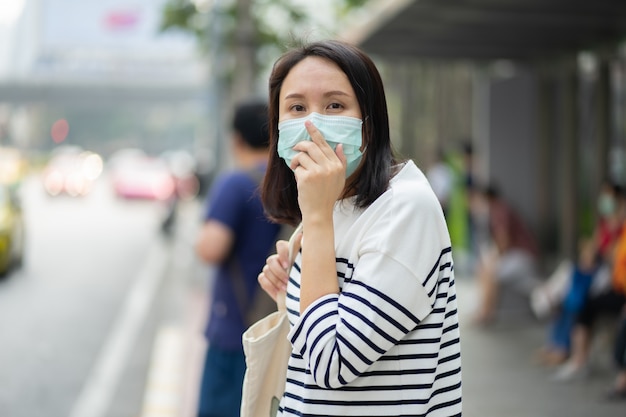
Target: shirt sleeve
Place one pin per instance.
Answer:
(225, 202)
(391, 291)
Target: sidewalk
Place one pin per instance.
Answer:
(500, 378)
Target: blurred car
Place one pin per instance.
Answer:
(182, 166)
(11, 230)
(136, 175)
(71, 171)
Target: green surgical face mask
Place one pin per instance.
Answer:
(335, 129)
(606, 205)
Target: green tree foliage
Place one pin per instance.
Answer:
(249, 27)
(190, 16)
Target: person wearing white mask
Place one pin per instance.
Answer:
(371, 297)
(547, 297)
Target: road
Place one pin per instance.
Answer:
(78, 322)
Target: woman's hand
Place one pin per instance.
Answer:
(273, 278)
(321, 177)
(320, 174)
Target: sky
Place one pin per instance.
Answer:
(85, 33)
(9, 11)
(120, 27)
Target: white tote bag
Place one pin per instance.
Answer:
(267, 351)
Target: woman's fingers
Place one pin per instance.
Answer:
(341, 155)
(282, 250)
(273, 278)
(319, 139)
(318, 148)
(268, 286)
(319, 172)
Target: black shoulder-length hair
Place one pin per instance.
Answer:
(279, 193)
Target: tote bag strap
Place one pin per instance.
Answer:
(295, 243)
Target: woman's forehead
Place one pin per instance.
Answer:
(315, 73)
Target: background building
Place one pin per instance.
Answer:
(105, 67)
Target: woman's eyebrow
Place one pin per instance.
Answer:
(326, 94)
(293, 95)
(335, 93)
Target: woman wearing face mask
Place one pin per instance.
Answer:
(371, 298)
(610, 218)
(607, 295)
(608, 228)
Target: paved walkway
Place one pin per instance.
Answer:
(500, 378)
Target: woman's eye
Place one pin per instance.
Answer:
(335, 106)
(297, 107)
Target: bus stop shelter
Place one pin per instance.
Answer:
(551, 130)
(492, 29)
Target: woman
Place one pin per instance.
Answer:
(547, 297)
(371, 298)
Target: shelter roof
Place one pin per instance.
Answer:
(489, 29)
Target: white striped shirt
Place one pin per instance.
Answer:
(388, 343)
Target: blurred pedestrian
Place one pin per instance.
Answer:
(509, 262)
(618, 391)
(470, 186)
(557, 349)
(441, 179)
(609, 303)
(371, 297)
(611, 207)
(237, 238)
(467, 228)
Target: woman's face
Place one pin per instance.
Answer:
(317, 85)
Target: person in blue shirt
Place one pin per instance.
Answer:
(236, 237)
(580, 280)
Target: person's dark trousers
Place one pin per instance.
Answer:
(620, 344)
(222, 379)
(609, 303)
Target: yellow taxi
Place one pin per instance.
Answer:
(11, 230)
